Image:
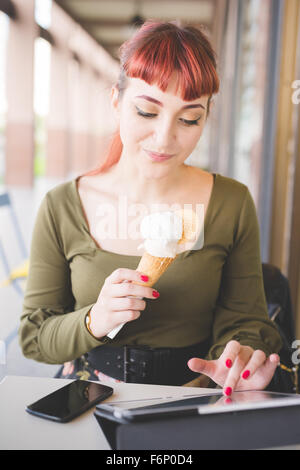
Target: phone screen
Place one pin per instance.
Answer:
(70, 401)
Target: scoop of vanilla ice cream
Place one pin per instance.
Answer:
(161, 231)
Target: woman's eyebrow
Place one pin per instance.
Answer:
(145, 97)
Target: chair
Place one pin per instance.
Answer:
(17, 275)
(280, 311)
(21, 271)
(279, 302)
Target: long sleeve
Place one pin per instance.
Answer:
(241, 309)
(50, 330)
(67, 271)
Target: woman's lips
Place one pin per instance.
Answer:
(159, 157)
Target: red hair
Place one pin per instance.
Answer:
(153, 54)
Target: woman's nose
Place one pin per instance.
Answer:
(165, 135)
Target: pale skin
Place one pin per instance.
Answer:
(238, 368)
(146, 181)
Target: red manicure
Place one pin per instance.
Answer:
(246, 374)
(155, 293)
(228, 391)
(228, 363)
(145, 278)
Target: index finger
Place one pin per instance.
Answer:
(130, 289)
(125, 274)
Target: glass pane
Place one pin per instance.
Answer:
(4, 28)
(252, 73)
(42, 59)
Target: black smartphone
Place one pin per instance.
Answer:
(70, 401)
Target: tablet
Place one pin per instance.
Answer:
(140, 410)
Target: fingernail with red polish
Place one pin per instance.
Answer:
(145, 278)
(228, 363)
(155, 293)
(228, 391)
(246, 374)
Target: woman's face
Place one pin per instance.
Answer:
(151, 120)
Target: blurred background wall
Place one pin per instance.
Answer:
(59, 59)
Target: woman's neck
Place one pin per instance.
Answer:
(140, 188)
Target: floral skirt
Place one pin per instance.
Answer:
(80, 369)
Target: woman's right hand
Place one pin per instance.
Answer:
(114, 306)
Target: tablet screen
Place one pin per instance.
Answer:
(201, 404)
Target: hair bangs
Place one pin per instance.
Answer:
(156, 59)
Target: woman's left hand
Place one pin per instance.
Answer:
(238, 368)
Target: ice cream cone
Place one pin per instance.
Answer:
(190, 225)
(154, 266)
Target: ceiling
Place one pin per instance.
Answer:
(111, 22)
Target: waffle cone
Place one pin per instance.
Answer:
(153, 267)
(190, 225)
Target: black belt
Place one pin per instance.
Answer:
(142, 364)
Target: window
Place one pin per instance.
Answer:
(4, 28)
(251, 93)
(42, 58)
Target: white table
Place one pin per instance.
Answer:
(19, 430)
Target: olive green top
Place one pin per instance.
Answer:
(215, 292)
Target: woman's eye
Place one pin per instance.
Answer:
(185, 121)
(141, 113)
(192, 123)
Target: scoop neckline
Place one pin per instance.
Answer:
(98, 248)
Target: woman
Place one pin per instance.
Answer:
(207, 314)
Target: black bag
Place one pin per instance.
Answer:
(280, 311)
